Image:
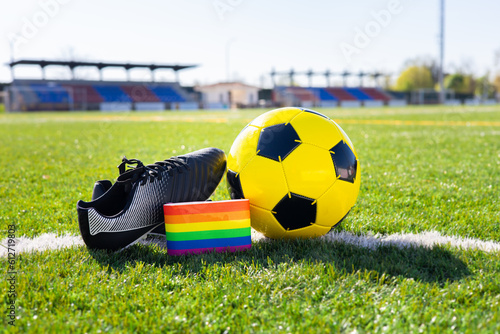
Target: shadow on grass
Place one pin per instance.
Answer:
(436, 265)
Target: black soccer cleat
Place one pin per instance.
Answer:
(121, 213)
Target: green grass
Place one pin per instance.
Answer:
(442, 176)
(2, 108)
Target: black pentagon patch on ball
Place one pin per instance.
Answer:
(234, 185)
(316, 113)
(277, 141)
(294, 211)
(344, 161)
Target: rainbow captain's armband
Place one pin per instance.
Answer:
(197, 227)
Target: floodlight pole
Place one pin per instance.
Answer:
(442, 93)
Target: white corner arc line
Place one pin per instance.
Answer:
(43, 242)
(428, 239)
(53, 241)
(403, 240)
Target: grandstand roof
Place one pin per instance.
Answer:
(73, 64)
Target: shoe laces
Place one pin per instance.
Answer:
(154, 171)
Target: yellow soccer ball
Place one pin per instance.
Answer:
(298, 169)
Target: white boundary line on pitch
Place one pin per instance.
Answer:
(52, 241)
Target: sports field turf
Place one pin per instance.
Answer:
(422, 169)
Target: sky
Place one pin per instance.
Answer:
(243, 40)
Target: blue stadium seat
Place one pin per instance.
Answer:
(166, 94)
(322, 94)
(358, 94)
(112, 93)
(50, 94)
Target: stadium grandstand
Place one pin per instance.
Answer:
(335, 97)
(43, 94)
(329, 96)
(31, 95)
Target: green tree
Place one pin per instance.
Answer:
(484, 88)
(496, 81)
(459, 83)
(414, 77)
(425, 61)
